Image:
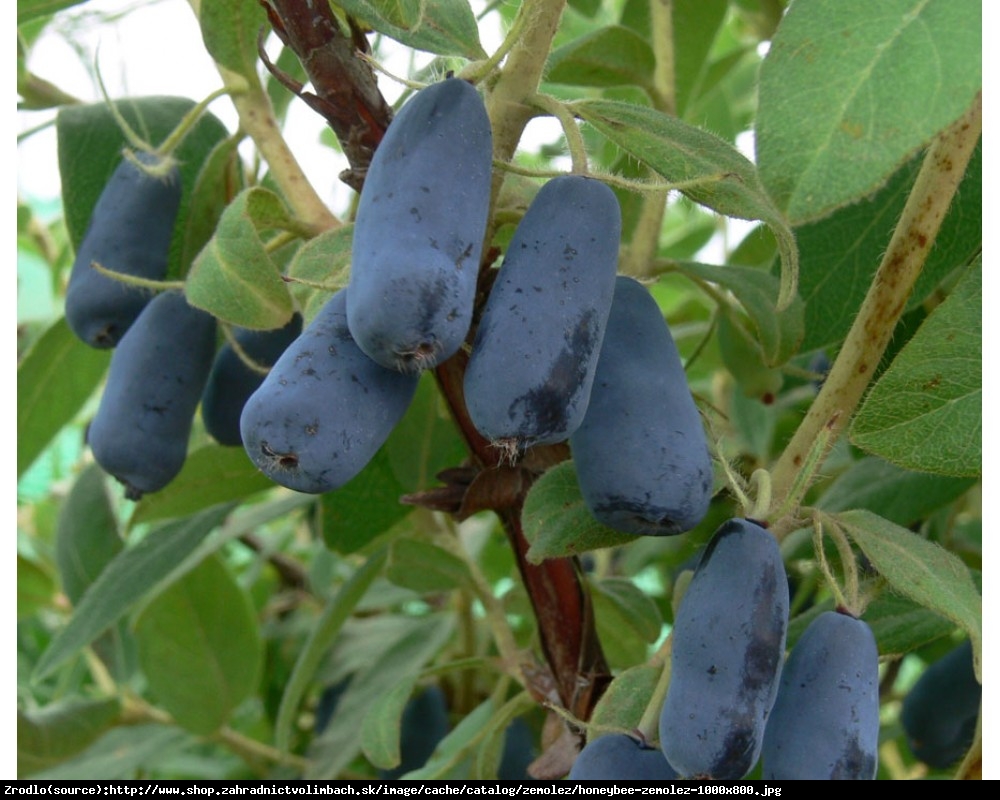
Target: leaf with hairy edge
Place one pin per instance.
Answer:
(54, 379)
(199, 647)
(134, 573)
(400, 13)
(779, 332)
(234, 277)
(229, 29)
(851, 90)
(325, 260)
(211, 475)
(921, 570)
(720, 177)
(57, 732)
(557, 522)
(445, 27)
(623, 703)
(926, 411)
(609, 56)
(336, 613)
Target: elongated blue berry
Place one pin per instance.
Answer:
(535, 353)
(325, 407)
(641, 455)
(129, 232)
(726, 657)
(419, 230)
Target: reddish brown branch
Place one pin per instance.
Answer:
(347, 93)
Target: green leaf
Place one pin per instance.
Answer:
(199, 647)
(627, 619)
(87, 535)
(920, 570)
(35, 588)
(835, 277)
(895, 494)
(850, 90)
(336, 613)
(696, 24)
(137, 571)
(229, 29)
(220, 177)
(424, 567)
(624, 702)
(925, 412)
(234, 277)
(28, 10)
(381, 726)
(778, 332)
(609, 56)
(54, 379)
(121, 754)
(401, 13)
(723, 179)
(326, 260)
(211, 475)
(446, 27)
(557, 522)
(415, 643)
(90, 147)
(61, 730)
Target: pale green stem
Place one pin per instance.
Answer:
(932, 193)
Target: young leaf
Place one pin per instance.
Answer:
(54, 379)
(622, 705)
(325, 259)
(850, 90)
(921, 570)
(134, 573)
(926, 411)
(199, 647)
(234, 277)
(557, 522)
(723, 179)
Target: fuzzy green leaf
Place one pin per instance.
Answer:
(556, 519)
(925, 412)
(920, 570)
(609, 56)
(229, 29)
(234, 277)
(850, 90)
(445, 27)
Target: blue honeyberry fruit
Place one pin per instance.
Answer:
(940, 711)
(419, 230)
(825, 721)
(232, 380)
(156, 378)
(619, 757)
(641, 456)
(535, 352)
(325, 407)
(129, 232)
(726, 657)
